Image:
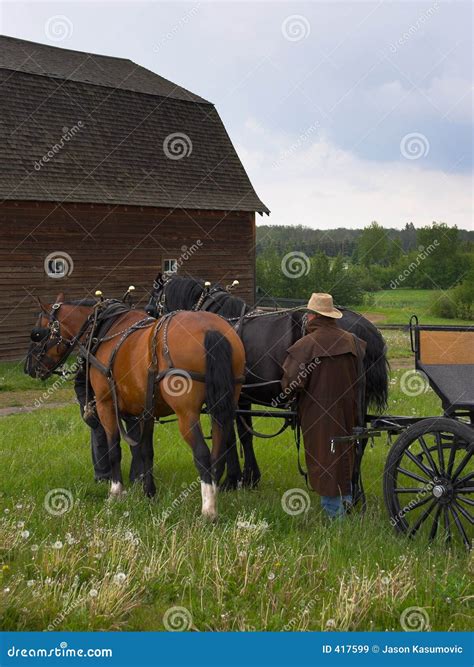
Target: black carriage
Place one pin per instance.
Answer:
(429, 473)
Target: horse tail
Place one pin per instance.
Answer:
(375, 361)
(377, 372)
(220, 385)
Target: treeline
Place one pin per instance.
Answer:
(438, 257)
(339, 241)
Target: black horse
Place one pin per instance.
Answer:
(266, 337)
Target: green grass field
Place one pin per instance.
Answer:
(136, 564)
(128, 564)
(398, 305)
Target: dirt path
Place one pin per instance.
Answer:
(19, 409)
(375, 318)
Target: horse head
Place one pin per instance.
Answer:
(59, 327)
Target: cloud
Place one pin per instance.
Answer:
(445, 96)
(315, 183)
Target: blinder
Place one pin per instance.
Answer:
(39, 333)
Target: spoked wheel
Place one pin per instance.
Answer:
(429, 481)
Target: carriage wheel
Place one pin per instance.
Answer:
(429, 480)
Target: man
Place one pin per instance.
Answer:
(324, 369)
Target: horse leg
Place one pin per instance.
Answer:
(106, 412)
(190, 429)
(251, 474)
(147, 457)
(234, 473)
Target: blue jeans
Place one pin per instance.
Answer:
(334, 505)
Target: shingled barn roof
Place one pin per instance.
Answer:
(79, 127)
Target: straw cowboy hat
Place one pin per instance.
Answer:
(322, 303)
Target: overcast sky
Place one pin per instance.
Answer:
(342, 112)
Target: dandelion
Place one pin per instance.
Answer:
(34, 547)
(20, 524)
(128, 535)
(271, 576)
(48, 581)
(126, 514)
(25, 534)
(5, 569)
(330, 623)
(30, 583)
(385, 581)
(19, 506)
(6, 590)
(93, 593)
(120, 577)
(6, 510)
(58, 545)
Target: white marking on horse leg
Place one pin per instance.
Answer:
(116, 489)
(208, 493)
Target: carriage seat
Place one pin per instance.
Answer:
(454, 384)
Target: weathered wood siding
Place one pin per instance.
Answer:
(112, 247)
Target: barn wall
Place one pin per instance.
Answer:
(112, 247)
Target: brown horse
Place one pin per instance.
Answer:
(147, 369)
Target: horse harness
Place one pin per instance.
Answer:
(95, 329)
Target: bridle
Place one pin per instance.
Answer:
(50, 337)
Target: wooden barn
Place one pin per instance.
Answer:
(109, 174)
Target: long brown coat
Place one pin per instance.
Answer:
(323, 368)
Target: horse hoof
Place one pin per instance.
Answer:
(116, 490)
(230, 484)
(250, 479)
(209, 517)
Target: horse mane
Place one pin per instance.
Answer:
(187, 290)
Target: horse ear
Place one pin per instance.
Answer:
(43, 306)
(60, 297)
